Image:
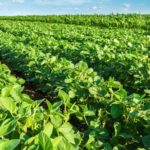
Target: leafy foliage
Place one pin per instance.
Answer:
(24, 124)
(98, 78)
(103, 21)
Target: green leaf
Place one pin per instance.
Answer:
(114, 84)
(90, 141)
(116, 110)
(56, 105)
(89, 113)
(26, 98)
(21, 81)
(15, 92)
(146, 141)
(107, 146)
(116, 41)
(72, 94)
(103, 133)
(82, 66)
(56, 141)
(125, 135)
(60, 143)
(56, 120)
(48, 129)
(136, 98)
(147, 91)
(121, 94)
(39, 117)
(12, 79)
(93, 90)
(68, 80)
(49, 105)
(8, 104)
(30, 140)
(6, 91)
(68, 133)
(7, 126)
(45, 141)
(117, 128)
(64, 96)
(9, 144)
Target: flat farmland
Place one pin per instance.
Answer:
(67, 84)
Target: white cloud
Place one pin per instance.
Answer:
(62, 2)
(18, 1)
(94, 8)
(126, 6)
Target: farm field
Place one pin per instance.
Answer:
(67, 84)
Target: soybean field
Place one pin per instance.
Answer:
(75, 82)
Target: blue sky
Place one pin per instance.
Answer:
(45, 7)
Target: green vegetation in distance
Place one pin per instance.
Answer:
(103, 21)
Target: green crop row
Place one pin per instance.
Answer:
(26, 125)
(103, 21)
(103, 114)
(122, 54)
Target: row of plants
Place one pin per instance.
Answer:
(113, 121)
(122, 54)
(102, 113)
(26, 125)
(103, 21)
